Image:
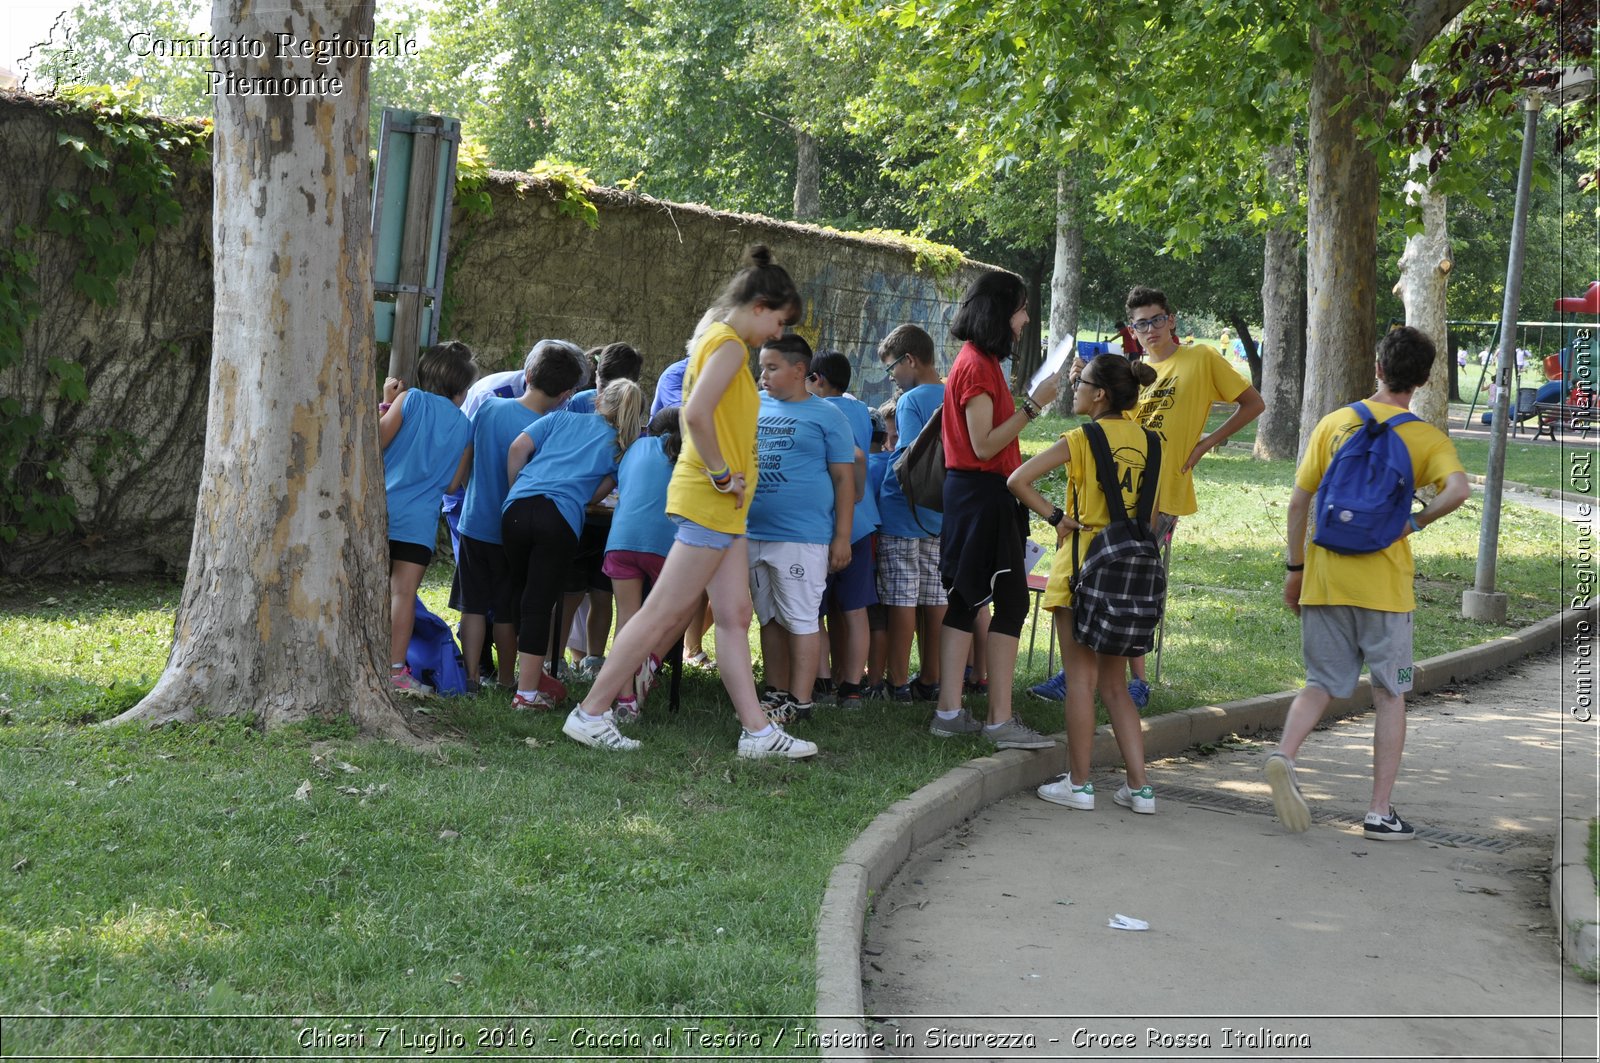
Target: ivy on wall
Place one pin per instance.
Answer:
(127, 199)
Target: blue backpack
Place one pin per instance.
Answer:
(432, 655)
(1364, 501)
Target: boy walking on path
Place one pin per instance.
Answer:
(1357, 608)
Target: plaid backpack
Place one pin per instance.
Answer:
(1120, 588)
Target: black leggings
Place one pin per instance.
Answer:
(539, 546)
(1010, 606)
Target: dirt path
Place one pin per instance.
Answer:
(1333, 945)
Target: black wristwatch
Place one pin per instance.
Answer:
(1054, 519)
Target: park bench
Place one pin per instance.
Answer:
(1564, 416)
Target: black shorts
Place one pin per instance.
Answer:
(485, 579)
(585, 574)
(415, 553)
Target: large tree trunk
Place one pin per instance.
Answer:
(807, 178)
(1066, 282)
(1283, 319)
(1424, 276)
(1342, 198)
(284, 614)
(1342, 230)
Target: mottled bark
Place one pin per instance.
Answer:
(807, 178)
(1283, 320)
(1424, 278)
(1066, 282)
(284, 613)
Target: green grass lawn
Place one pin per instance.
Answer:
(193, 871)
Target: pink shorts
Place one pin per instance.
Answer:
(631, 564)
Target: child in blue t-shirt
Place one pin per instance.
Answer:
(424, 437)
(551, 372)
(558, 466)
(880, 456)
(853, 588)
(641, 535)
(799, 521)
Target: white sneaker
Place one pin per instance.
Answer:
(779, 743)
(1142, 800)
(644, 680)
(1063, 792)
(597, 731)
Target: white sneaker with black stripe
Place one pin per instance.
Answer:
(600, 732)
(779, 743)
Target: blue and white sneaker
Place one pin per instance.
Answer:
(1139, 691)
(1052, 689)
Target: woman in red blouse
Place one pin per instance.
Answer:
(981, 554)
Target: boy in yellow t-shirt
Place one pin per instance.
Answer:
(1356, 608)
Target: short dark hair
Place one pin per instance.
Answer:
(904, 340)
(554, 366)
(1406, 356)
(983, 317)
(1139, 296)
(447, 369)
(834, 368)
(616, 361)
(794, 349)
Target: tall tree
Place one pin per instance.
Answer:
(283, 615)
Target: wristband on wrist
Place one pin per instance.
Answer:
(383, 407)
(1296, 568)
(1028, 408)
(1412, 520)
(1055, 517)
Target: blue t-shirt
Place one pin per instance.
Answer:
(878, 466)
(507, 385)
(894, 512)
(641, 523)
(572, 453)
(419, 463)
(581, 402)
(669, 387)
(795, 444)
(496, 424)
(864, 521)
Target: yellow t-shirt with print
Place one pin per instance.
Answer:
(690, 492)
(1086, 503)
(1175, 406)
(1382, 580)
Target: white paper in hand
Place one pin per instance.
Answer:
(1031, 553)
(1058, 360)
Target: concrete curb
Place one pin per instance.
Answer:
(1547, 492)
(1572, 897)
(887, 843)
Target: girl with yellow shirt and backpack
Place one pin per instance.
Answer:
(708, 498)
(1102, 390)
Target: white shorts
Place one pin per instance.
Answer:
(786, 583)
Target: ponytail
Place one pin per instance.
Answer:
(622, 405)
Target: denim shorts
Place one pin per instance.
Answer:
(692, 534)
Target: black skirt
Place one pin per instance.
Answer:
(984, 529)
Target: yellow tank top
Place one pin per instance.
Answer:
(690, 494)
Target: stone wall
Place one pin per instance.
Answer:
(130, 455)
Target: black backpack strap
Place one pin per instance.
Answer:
(1105, 468)
(1146, 505)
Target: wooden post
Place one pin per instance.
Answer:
(408, 303)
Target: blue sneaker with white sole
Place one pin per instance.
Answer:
(1052, 689)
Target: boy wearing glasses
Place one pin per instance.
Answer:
(800, 521)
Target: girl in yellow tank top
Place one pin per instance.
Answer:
(709, 497)
(1102, 389)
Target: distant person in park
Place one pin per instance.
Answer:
(852, 589)
(799, 522)
(641, 535)
(981, 556)
(879, 455)
(556, 468)
(708, 498)
(1105, 388)
(1131, 347)
(424, 437)
(908, 539)
(551, 371)
(1357, 608)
